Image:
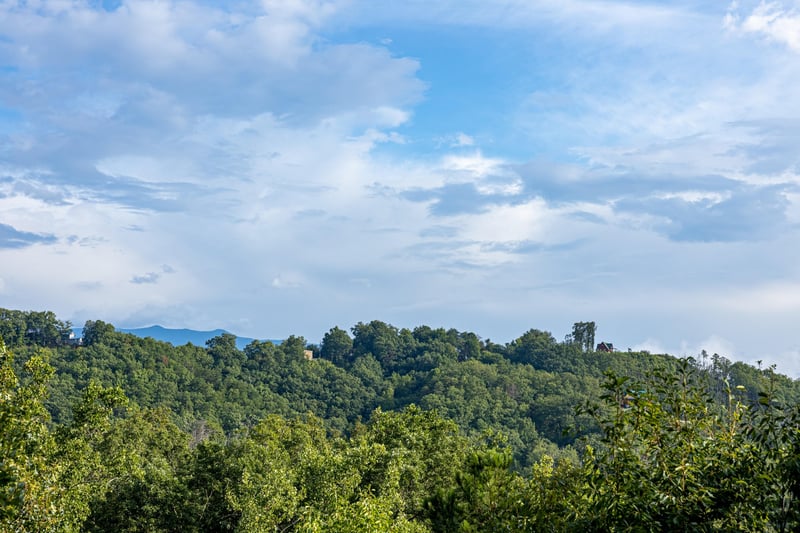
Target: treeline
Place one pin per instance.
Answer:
(141, 435)
(41, 328)
(668, 457)
(526, 390)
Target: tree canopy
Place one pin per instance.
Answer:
(390, 429)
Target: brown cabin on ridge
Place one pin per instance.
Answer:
(605, 347)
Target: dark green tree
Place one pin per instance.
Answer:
(13, 325)
(294, 347)
(44, 329)
(377, 338)
(486, 497)
(96, 332)
(469, 346)
(225, 355)
(583, 334)
(260, 356)
(534, 347)
(337, 347)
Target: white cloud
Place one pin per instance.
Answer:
(714, 344)
(213, 59)
(649, 345)
(706, 197)
(491, 176)
(770, 20)
(475, 165)
(257, 147)
(158, 36)
(787, 362)
(508, 223)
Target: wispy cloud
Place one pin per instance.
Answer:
(773, 21)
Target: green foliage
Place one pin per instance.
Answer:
(486, 496)
(337, 347)
(40, 328)
(96, 332)
(532, 348)
(377, 338)
(671, 458)
(412, 453)
(461, 435)
(31, 497)
(583, 335)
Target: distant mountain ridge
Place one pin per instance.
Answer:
(179, 337)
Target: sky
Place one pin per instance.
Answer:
(286, 166)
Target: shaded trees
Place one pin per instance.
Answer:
(377, 338)
(41, 328)
(534, 347)
(583, 335)
(96, 332)
(337, 347)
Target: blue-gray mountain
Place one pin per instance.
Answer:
(179, 337)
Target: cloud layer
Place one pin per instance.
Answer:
(283, 166)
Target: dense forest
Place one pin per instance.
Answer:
(386, 429)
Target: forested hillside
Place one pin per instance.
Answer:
(383, 428)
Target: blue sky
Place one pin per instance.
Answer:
(284, 166)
